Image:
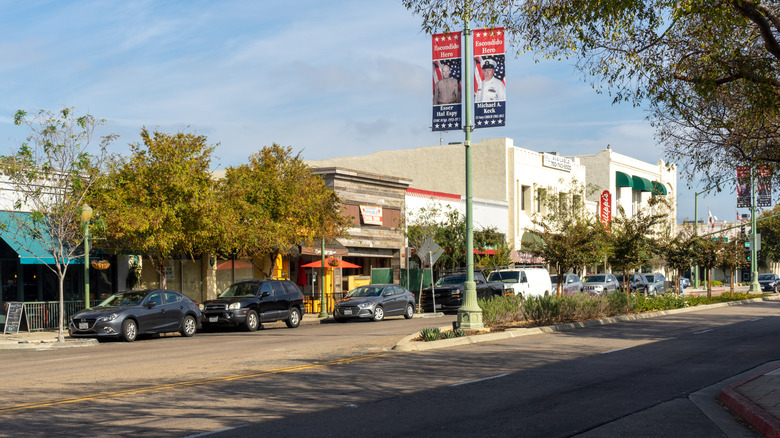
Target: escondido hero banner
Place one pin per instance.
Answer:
(489, 78)
(447, 92)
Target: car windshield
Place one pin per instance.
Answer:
(595, 279)
(124, 299)
(766, 276)
(506, 276)
(239, 290)
(366, 291)
(451, 279)
(554, 279)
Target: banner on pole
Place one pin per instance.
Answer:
(489, 78)
(743, 187)
(447, 93)
(764, 187)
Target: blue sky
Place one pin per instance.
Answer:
(330, 79)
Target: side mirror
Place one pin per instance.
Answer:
(265, 294)
(151, 304)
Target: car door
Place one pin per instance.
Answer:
(394, 299)
(173, 311)
(281, 299)
(612, 283)
(266, 302)
(150, 315)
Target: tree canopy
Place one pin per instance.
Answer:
(274, 203)
(706, 71)
(158, 201)
(50, 174)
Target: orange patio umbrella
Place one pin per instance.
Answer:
(331, 262)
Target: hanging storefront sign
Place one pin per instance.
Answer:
(764, 187)
(743, 187)
(605, 208)
(447, 92)
(489, 78)
(556, 162)
(371, 215)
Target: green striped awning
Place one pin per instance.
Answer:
(623, 180)
(642, 184)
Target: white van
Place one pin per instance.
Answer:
(527, 282)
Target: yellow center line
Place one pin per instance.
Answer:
(183, 384)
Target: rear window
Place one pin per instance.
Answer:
(504, 276)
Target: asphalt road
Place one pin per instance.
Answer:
(627, 379)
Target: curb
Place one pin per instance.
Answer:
(38, 344)
(409, 344)
(765, 423)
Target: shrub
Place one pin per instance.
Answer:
(430, 334)
(447, 335)
(542, 310)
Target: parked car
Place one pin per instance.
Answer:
(374, 302)
(637, 282)
(769, 282)
(250, 303)
(449, 291)
(125, 315)
(656, 283)
(685, 282)
(597, 284)
(571, 283)
(524, 281)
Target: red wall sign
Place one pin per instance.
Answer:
(605, 208)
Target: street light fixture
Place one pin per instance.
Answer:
(86, 216)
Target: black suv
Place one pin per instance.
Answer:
(250, 303)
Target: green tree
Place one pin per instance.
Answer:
(707, 71)
(158, 201)
(50, 173)
(274, 203)
(679, 252)
(768, 225)
(631, 240)
(707, 251)
(570, 236)
(491, 240)
(731, 256)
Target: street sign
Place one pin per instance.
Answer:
(429, 251)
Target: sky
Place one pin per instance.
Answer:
(329, 79)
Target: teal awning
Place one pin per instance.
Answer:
(623, 180)
(642, 184)
(25, 247)
(659, 188)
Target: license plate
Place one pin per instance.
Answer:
(348, 311)
(83, 326)
(213, 318)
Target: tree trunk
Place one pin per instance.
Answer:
(61, 331)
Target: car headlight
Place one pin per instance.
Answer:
(107, 318)
(201, 307)
(366, 305)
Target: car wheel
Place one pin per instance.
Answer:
(777, 289)
(409, 313)
(188, 326)
(295, 318)
(252, 321)
(379, 313)
(129, 330)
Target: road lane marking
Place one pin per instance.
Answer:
(144, 389)
(757, 319)
(703, 331)
(480, 380)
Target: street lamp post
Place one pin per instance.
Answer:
(323, 311)
(469, 314)
(86, 216)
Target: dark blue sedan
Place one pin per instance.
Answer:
(125, 315)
